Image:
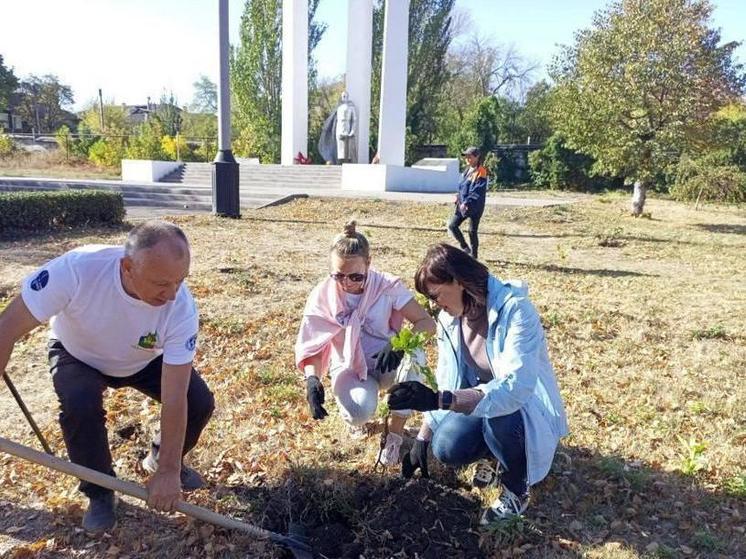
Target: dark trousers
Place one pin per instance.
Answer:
(454, 228)
(462, 439)
(80, 390)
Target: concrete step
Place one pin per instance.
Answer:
(277, 176)
(194, 198)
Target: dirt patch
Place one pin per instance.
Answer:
(421, 518)
(351, 515)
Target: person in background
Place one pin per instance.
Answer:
(470, 201)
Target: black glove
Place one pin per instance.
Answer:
(412, 395)
(315, 397)
(387, 359)
(415, 458)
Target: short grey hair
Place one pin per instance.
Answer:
(147, 234)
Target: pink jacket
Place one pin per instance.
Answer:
(325, 316)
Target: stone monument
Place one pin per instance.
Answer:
(345, 130)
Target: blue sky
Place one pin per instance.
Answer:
(138, 48)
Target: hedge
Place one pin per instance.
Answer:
(44, 211)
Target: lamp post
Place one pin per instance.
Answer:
(225, 170)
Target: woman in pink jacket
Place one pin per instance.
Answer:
(347, 324)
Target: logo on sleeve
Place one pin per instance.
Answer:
(148, 341)
(191, 343)
(40, 281)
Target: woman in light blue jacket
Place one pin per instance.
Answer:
(498, 398)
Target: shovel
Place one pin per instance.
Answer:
(299, 548)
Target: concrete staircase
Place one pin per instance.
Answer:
(285, 179)
(190, 187)
(157, 195)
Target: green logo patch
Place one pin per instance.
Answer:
(148, 341)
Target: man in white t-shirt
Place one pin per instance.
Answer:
(120, 316)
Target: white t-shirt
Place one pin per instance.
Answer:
(376, 330)
(99, 323)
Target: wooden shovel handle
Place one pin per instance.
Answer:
(129, 488)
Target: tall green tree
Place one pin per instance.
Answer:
(169, 114)
(430, 36)
(535, 119)
(8, 83)
(256, 76)
(44, 102)
(205, 98)
(634, 88)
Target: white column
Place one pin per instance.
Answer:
(393, 114)
(359, 53)
(294, 79)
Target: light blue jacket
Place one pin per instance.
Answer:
(523, 376)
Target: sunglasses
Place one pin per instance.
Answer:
(353, 277)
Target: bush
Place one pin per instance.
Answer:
(148, 143)
(7, 145)
(169, 145)
(558, 167)
(43, 211)
(708, 179)
(206, 151)
(106, 153)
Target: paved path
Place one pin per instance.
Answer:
(154, 199)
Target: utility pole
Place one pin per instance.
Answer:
(101, 109)
(225, 193)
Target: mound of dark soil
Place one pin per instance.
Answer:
(420, 518)
(376, 518)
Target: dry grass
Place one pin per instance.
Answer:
(645, 321)
(54, 165)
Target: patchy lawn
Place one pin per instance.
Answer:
(645, 321)
(53, 165)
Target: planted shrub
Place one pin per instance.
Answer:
(7, 146)
(106, 153)
(558, 167)
(44, 211)
(708, 179)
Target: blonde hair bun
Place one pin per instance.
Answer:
(349, 229)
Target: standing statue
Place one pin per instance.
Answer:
(345, 130)
(337, 143)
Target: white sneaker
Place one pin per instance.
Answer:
(507, 505)
(390, 452)
(486, 474)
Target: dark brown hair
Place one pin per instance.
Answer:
(444, 263)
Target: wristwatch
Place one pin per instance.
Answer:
(446, 399)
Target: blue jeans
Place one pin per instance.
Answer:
(462, 439)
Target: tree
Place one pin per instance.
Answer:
(169, 114)
(43, 102)
(256, 78)
(634, 88)
(8, 84)
(205, 96)
(534, 119)
(115, 119)
(430, 37)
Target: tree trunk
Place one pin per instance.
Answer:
(638, 198)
